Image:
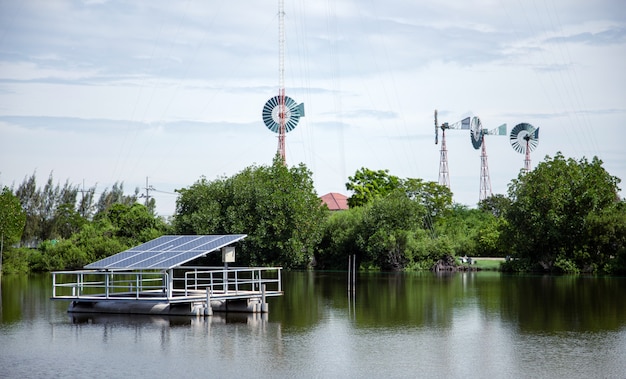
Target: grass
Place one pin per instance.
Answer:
(491, 264)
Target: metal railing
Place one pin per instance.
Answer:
(186, 282)
(233, 280)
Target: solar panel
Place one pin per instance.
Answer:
(165, 252)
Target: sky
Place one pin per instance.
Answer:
(163, 93)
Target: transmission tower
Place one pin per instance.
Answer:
(281, 113)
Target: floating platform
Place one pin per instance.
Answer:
(153, 278)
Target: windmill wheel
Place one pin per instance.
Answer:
(522, 136)
(476, 132)
(290, 114)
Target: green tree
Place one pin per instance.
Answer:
(389, 224)
(276, 206)
(135, 223)
(392, 226)
(12, 220)
(43, 206)
(115, 196)
(120, 228)
(437, 199)
(30, 198)
(548, 219)
(368, 185)
(607, 238)
(496, 204)
(339, 239)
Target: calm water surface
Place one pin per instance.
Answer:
(482, 325)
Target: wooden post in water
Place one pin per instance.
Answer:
(208, 311)
(351, 273)
(354, 273)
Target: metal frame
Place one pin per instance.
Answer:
(183, 284)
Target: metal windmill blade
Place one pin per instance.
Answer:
(499, 131)
(476, 132)
(524, 136)
(436, 129)
(272, 113)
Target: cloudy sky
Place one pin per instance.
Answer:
(98, 91)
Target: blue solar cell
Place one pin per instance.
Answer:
(165, 252)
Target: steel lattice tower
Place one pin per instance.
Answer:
(281, 79)
(444, 175)
(485, 180)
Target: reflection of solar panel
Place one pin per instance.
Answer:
(165, 252)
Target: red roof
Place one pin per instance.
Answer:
(335, 201)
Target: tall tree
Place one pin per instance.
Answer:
(30, 199)
(368, 185)
(115, 196)
(12, 218)
(276, 206)
(548, 219)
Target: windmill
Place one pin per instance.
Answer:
(524, 138)
(281, 113)
(444, 175)
(477, 135)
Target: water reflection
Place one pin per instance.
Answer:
(398, 324)
(563, 303)
(529, 303)
(127, 320)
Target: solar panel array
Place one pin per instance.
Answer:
(165, 252)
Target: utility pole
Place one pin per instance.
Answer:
(82, 191)
(148, 188)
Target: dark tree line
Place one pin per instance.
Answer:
(67, 227)
(564, 216)
(58, 211)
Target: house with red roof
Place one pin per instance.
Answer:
(335, 201)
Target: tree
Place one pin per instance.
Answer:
(30, 199)
(135, 223)
(495, 204)
(551, 209)
(276, 206)
(339, 239)
(437, 199)
(115, 196)
(43, 206)
(12, 218)
(389, 224)
(368, 185)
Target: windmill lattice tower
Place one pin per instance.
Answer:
(444, 174)
(524, 138)
(281, 113)
(477, 135)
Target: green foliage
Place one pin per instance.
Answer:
(12, 218)
(18, 260)
(276, 206)
(474, 232)
(559, 215)
(436, 199)
(122, 227)
(563, 217)
(497, 205)
(388, 232)
(339, 239)
(566, 266)
(385, 235)
(368, 185)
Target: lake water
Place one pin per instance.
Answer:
(476, 325)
